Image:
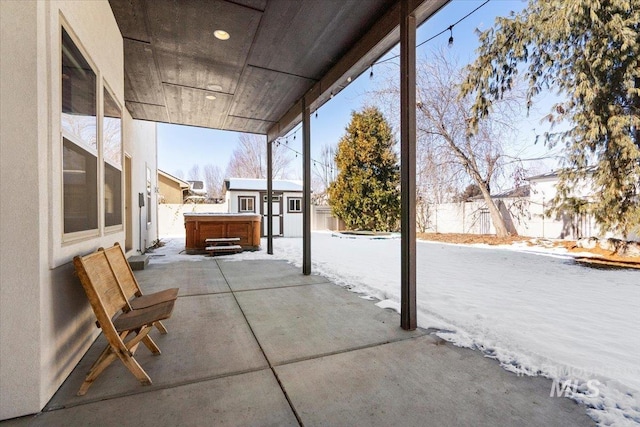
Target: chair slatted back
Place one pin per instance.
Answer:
(122, 271)
(101, 287)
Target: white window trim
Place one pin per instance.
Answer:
(253, 203)
(77, 236)
(294, 199)
(111, 229)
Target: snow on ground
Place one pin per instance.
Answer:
(537, 315)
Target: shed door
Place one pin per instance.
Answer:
(277, 218)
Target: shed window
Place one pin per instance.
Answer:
(246, 204)
(294, 204)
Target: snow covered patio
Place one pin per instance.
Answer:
(257, 343)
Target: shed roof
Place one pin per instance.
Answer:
(248, 184)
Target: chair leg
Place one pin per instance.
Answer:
(133, 343)
(108, 356)
(106, 351)
(135, 368)
(161, 327)
(153, 348)
(101, 364)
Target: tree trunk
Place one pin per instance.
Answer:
(496, 216)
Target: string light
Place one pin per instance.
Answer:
(449, 28)
(316, 163)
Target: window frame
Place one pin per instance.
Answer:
(247, 198)
(294, 199)
(114, 227)
(76, 140)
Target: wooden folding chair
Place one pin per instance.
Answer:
(107, 300)
(132, 292)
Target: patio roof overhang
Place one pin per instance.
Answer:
(279, 61)
(278, 52)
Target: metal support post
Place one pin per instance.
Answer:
(269, 197)
(306, 188)
(408, 319)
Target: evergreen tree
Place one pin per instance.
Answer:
(589, 51)
(366, 195)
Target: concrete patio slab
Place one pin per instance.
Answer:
(193, 278)
(249, 399)
(264, 274)
(303, 321)
(208, 337)
(419, 382)
(339, 360)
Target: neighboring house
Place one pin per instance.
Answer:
(250, 196)
(197, 190)
(524, 211)
(171, 189)
(565, 224)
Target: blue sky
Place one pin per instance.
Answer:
(180, 147)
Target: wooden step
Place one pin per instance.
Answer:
(222, 239)
(228, 248)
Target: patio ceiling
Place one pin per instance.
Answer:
(278, 52)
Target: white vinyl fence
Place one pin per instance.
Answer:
(171, 219)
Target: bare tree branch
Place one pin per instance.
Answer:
(249, 159)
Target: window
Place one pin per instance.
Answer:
(79, 142)
(80, 185)
(246, 204)
(112, 152)
(294, 204)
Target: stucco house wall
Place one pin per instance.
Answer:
(46, 323)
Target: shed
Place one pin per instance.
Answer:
(245, 195)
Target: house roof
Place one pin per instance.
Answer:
(522, 191)
(278, 52)
(182, 183)
(247, 184)
(552, 174)
(556, 173)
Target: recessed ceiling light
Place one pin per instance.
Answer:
(211, 97)
(349, 79)
(215, 88)
(221, 34)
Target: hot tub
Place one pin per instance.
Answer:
(206, 225)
